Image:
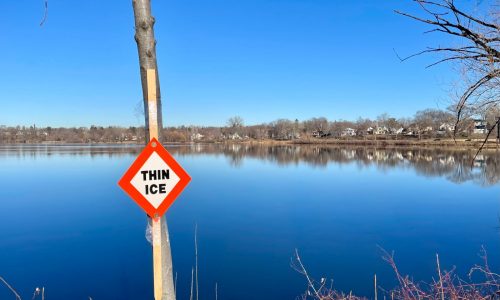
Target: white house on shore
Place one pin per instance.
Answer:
(480, 126)
(381, 130)
(446, 127)
(196, 136)
(348, 132)
(398, 131)
(234, 136)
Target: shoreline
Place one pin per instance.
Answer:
(395, 143)
(380, 142)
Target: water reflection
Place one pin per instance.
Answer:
(455, 165)
(34, 151)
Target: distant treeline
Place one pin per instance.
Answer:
(425, 124)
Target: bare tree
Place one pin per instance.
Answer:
(316, 124)
(475, 50)
(235, 122)
(282, 129)
(235, 127)
(430, 120)
(258, 132)
(362, 125)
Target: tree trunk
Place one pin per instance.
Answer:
(146, 46)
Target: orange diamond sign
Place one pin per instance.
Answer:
(154, 180)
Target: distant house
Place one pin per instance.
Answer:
(234, 136)
(410, 131)
(348, 132)
(447, 127)
(381, 130)
(196, 136)
(319, 133)
(427, 129)
(480, 126)
(370, 130)
(398, 131)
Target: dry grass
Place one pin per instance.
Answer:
(481, 284)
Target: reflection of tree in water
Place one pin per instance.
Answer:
(454, 165)
(489, 173)
(235, 154)
(35, 151)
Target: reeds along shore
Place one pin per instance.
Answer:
(481, 283)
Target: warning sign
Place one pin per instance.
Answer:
(154, 180)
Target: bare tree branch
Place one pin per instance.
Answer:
(45, 12)
(478, 53)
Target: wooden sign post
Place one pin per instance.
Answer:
(154, 180)
(162, 255)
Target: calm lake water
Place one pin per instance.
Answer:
(66, 225)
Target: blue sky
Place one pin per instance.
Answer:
(260, 59)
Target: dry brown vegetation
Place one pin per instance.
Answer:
(480, 284)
